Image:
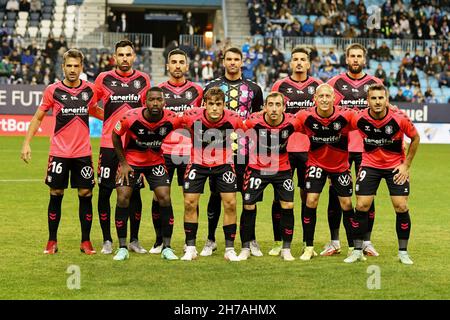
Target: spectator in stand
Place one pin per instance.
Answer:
(61, 43)
(381, 74)
(391, 80)
(413, 79)
(35, 6)
(399, 97)
(372, 51)
(327, 71)
(12, 5)
(207, 70)
(384, 53)
(5, 50)
(408, 93)
(308, 28)
(24, 5)
(407, 61)
(402, 77)
(418, 60)
(332, 58)
(444, 78)
(5, 70)
(418, 96)
(27, 58)
(261, 76)
(195, 71)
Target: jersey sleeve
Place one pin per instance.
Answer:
(98, 88)
(47, 100)
(300, 121)
(337, 96)
(122, 126)
(198, 102)
(258, 100)
(276, 86)
(407, 126)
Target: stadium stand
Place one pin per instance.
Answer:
(418, 73)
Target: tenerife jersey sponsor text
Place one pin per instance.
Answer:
(212, 141)
(119, 94)
(298, 95)
(383, 138)
(180, 98)
(70, 138)
(143, 139)
(352, 93)
(241, 96)
(328, 137)
(268, 144)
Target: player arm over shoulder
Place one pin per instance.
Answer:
(96, 112)
(403, 169)
(35, 123)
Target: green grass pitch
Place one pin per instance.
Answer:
(26, 273)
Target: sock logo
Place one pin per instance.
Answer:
(52, 216)
(119, 223)
(88, 217)
(404, 226)
(103, 216)
(306, 220)
(288, 231)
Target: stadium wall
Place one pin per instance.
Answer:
(18, 103)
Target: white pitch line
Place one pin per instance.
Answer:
(21, 180)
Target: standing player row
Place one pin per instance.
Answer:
(122, 89)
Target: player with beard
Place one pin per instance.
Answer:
(120, 90)
(298, 89)
(72, 101)
(180, 95)
(383, 130)
(351, 91)
(244, 97)
(140, 154)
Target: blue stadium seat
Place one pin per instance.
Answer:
(393, 91)
(352, 20)
(49, 3)
(2, 17)
(10, 24)
(3, 4)
(302, 18)
(11, 15)
(34, 16)
(47, 9)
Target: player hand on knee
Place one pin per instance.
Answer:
(402, 174)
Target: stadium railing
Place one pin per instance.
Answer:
(287, 43)
(98, 39)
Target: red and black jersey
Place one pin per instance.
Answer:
(242, 96)
(119, 94)
(328, 138)
(70, 138)
(299, 95)
(180, 98)
(143, 139)
(383, 138)
(352, 93)
(212, 141)
(268, 144)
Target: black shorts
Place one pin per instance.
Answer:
(369, 179)
(316, 178)
(108, 163)
(222, 177)
(240, 171)
(255, 182)
(156, 176)
(81, 172)
(107, 168)
(179, 165)
(298, 161)
(355, 157)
